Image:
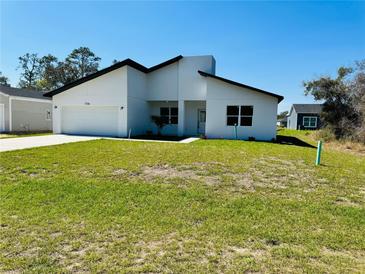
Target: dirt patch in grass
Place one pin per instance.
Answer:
(343, 201)
(268, 172)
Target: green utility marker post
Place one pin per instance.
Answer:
(319, 150)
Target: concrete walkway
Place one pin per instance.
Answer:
(57, 139)
(41, 141)
(184, 141)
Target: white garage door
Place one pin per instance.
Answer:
(90, 120)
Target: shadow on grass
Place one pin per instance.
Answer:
(289, 140)
(159, 138)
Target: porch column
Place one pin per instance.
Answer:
(181, 118)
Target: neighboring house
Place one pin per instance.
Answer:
(24, 110)
(304, 116)
(283, 122)
(185, 91)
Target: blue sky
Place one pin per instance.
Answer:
(269, 45)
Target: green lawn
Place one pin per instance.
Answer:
(208, 206)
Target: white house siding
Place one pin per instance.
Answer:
(220, 95)
(191, 116)
(4, 100)
(138, 107)
(292, 119)
(191, 85)
(30, 115)
(163, 83)
(108, 90)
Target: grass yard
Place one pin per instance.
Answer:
(208, 206)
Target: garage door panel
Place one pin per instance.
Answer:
(90, 120)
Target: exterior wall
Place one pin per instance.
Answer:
(30, 115)
(191, 85)
(300, 121)
(137, 106)
(5, 101)
(107, 90)
(180, 80)
(191, 116)
(292, 119)
(220, 95)
(163, 83)
(155, 110)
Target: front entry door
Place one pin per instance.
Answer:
(201, 121)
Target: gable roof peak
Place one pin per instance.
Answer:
(125, 62)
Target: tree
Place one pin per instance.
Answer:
(48, 73)
(31, 68)
(50, 78)
(115, 61)
(159, 122)
(358, 87)
(80, 63)
(4, 80)
(282, 114)
(343, 96)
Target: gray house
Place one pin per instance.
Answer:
(304, 116)
(24, 110)
(283, 122)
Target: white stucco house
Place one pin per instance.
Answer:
(185, 91)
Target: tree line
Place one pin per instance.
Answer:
(343, 112)
(48, 72)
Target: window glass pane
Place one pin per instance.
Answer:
(174, 111)
(313, 122)
(231, 121)
(232, 110)
(247, 110)
(174, 120)
(164, 111)
(165, 119)
(246, 121)
(306, 121)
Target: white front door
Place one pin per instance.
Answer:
(201, 120)
(2, 118)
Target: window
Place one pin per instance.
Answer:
(246, 115)
(48, 114)
(239, 115)
(232, 115)
(309, 121)
(169, 115)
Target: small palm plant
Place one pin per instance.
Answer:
(159, 122)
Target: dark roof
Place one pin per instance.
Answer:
(280, 98)
(308, 108)
(126, 62)
(166, 63)
(23, 92)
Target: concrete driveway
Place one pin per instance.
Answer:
(41, 141)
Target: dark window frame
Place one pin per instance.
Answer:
(310, 118)
(172, 119)
(239, 117)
